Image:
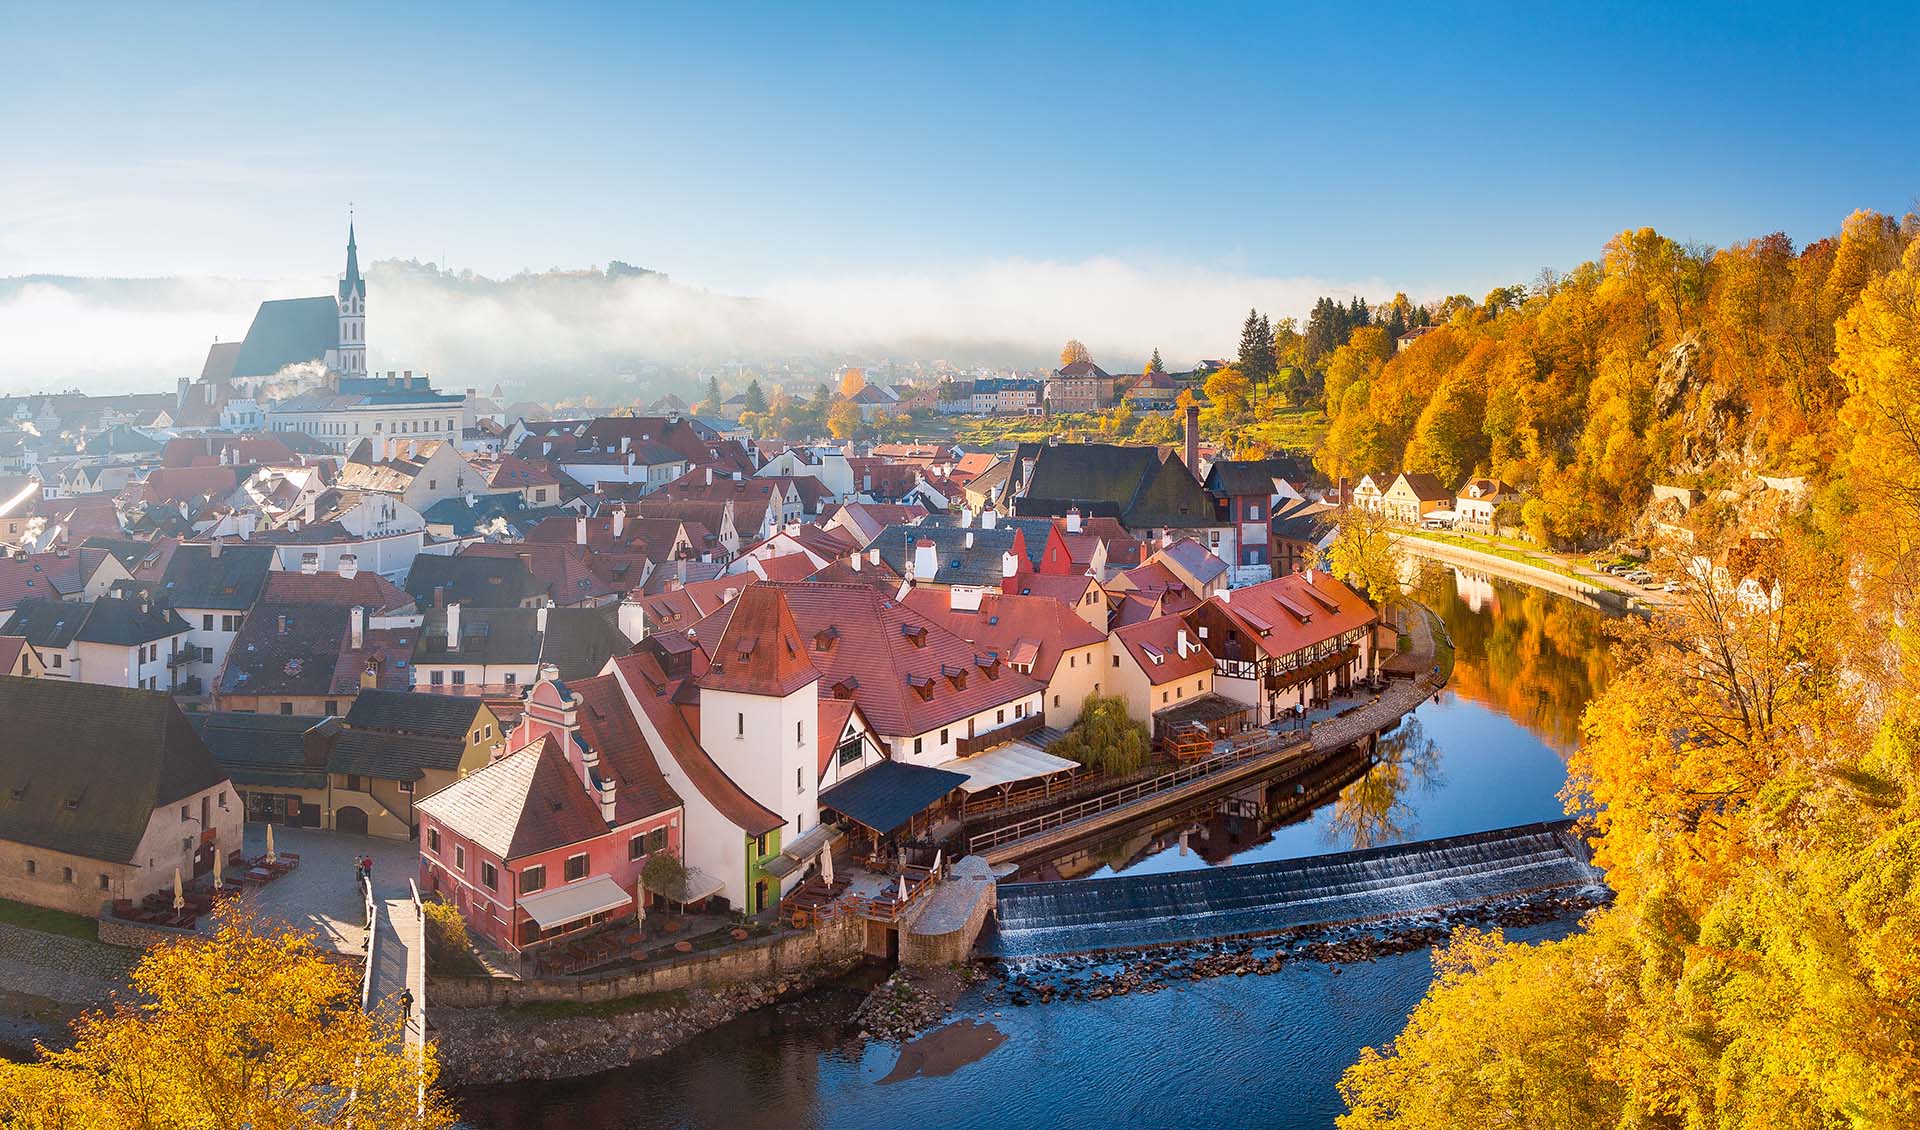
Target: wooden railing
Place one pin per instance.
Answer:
(1260, 746)
(1013, 731)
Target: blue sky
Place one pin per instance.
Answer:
(1431, 148)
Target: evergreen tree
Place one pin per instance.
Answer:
(713, 398)
(1326, 329)
(756, 399)
(1256, 362)
(1154, 364)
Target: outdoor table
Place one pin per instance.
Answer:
(260, 875)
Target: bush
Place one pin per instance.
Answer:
(665, 876)
(1104, 737)
(446, 931)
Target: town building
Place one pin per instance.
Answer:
(1081, 386)
(109, 794)
(110, 641)
(1294, 641)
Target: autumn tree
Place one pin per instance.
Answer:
(1228, 393)
(1073, 353)
(710, 403)
(852, 381)
(843, 419)
(251, 1027)
(1365, 553)
(1154, 365)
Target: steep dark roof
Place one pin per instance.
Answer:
(108, 620)
(83, 766)
(960, 564)
(288, 331)
(392, 757)
(490, 582)
(286, 649)
(195, 578)
(1134, 484)
(409, 712)
(262, 749)
(579, 641)
(1249, 477)
(886, 795)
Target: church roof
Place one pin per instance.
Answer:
(288, 331)
(351, 282)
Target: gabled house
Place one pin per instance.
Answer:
(552, 838)
(212, 586)
(110, 641)
(1158, 665)
(132, 796)
(1038, 637)
(1413, 496)
(1292, 641)
(1474, 507)
(303, 659)
(502, 651)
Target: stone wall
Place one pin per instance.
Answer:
(944, 933)
(758, 958)
(47, 884)
(139, 935)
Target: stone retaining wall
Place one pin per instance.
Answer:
(944, 933)
(139, 935)
(752, 960)
(1587, 592)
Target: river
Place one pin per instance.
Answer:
(1232, 1052)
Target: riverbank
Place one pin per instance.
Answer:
(1537, 568)
(562, 1039)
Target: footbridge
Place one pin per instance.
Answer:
(1085, 915)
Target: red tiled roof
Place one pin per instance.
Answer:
(679, 609)
(1066, 588)
(871, 647)
(608, 725)
(367, 589)
(1028, 630)
(787, 567)
(179, 484)
(834, 713)
(10, 664)
(641, 674)
(48, 575)
(561, 570)
(1289, 613)
(759, 651)
(1161, 636)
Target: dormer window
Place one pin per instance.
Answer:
(922, 686)
(915, 634)
(823, 639)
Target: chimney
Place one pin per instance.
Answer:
(1073, 519)
(989, 519)
(453, 626)
(619, 521)
(966, 518)
(605, 795)
(873, 556)
(1193, 440)
(349, 566)
(680, 572)
(213, 549)
(1180, 643)
(926, 560)
(709, 476)
(1310, 576)
(1009, 564)
(632, 619)
(580, 530)
(280, 624)
(854, 561)
(370, 674)
(540, 620)
(357, 627)
(969, 541)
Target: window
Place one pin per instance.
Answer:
(106, 884)
(32, 867)
(1056, 700)
(206, 622)
(66, 874)
(486, 731)
(637, 847)
(799, 733)
(1019, 710)
(576, 867)
(460, 858)
(740, 725)
(406, 787)
(433, 840)
(488, 876)
(355, 784)
(511, 677)
(943, 737)
(184, 816)
(436, 677)
(186, 845)
(1000, 716)
(1163, 696)
(916, 745)
(760, 845)
(459, 678)
(57, 657)
(1116, 661)
(799, 779)
(1179, 692)
(333, 707)
(532, 879)
(851, 751)
(1073, 660)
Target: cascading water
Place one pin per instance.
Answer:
(1076, 916)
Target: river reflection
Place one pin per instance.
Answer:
(1233, 1052)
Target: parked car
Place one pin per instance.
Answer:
(1639, 576)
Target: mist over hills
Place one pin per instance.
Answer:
(567, 329)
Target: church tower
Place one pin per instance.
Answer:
(353, 314)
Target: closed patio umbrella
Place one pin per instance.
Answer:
(640, 903)
(217, 853)
(903, 888)
(937, 853)
(179, 892)
(270, 856)
(826, 867)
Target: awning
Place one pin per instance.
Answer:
(700, 885)
(575, 901)
(1003, 765)
(887, 795)
(1203, 709)
(803, 849)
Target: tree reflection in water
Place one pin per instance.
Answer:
(1375, 809)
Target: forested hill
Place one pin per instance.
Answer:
(1659, 362)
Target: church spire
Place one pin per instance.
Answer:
(351, 282)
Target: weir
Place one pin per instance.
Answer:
(1083, 915)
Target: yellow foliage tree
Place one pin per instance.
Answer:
(1073, 352)
(253, 1027)
(852, 381)
(843, 419)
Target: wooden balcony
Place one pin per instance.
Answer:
(1013, 731)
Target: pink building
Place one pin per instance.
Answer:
(552, 838)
